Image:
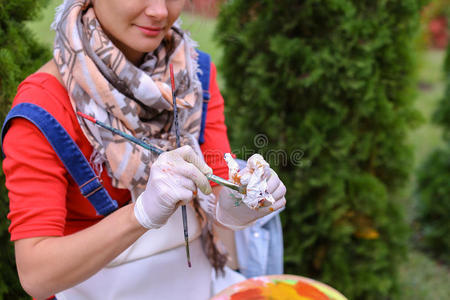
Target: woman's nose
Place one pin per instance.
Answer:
(157, 9)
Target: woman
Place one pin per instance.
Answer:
(111, 61)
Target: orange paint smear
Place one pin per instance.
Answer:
(236, 179)
(250, 294)
(310, 291)
(261, 202)
(281, 291)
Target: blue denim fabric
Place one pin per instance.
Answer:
(260, 247)
(204, 71)
(69, 153)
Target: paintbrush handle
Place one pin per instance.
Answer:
(131, 138)
(177, 135)
(175, 109)
(226, 183)
(212, 177)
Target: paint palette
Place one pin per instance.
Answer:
(279, 287)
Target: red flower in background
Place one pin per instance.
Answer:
(439, 32)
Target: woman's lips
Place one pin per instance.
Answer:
(150, 31)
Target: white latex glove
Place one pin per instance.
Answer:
(207, 203)
(240, 216)
(174, 177)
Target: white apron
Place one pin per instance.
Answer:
(154, 267)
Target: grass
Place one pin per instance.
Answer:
(430, 91)
(420, 276)
(41, 26)
(202, 31)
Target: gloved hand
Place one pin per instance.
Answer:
(207, 203)
(240, 216)
(174, 177)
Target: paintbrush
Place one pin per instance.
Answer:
(212, 177)
(158, 151)
(177, 134)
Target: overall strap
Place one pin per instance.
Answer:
(204, 63)
(69, 153)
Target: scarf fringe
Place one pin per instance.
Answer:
(59, 11)
(214, 249)
(97, 159)
(193, 66)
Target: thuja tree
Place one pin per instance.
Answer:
(330, 82)
(434, 184)
(20, 55)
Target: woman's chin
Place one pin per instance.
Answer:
(147, 46)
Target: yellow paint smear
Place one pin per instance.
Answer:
(282, 291)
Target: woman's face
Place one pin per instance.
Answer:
(137, 26)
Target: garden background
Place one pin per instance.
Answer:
(422, 273)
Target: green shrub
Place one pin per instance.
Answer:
(434, 185)
(442, 114)
(329, 82)
(434, 203)
(20, 55)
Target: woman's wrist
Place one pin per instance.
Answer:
(133, 221)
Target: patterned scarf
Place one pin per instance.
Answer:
(137, 100)
(102, 83)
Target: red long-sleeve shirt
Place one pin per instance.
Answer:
(44, 198)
